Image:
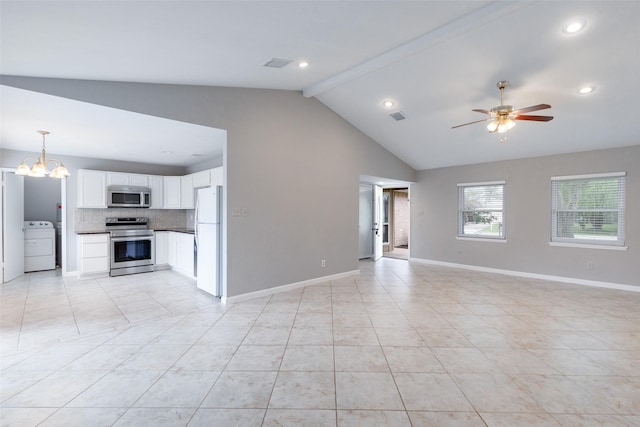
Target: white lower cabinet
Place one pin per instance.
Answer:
(162, 249)
(180, 253)
(93, 254)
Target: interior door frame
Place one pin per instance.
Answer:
(63, 233)
(3, 208)
(63, 219)
(378, 184)
(377, 222)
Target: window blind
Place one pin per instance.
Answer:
(588, 209)
(481, 210)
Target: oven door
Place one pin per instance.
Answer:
(132, 251)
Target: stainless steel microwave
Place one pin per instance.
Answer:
(122, 196)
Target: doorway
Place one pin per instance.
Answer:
(384, 219)
(23, 199)
(395, 223)
(43, 202)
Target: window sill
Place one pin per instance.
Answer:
(482, 239)
(588, 246)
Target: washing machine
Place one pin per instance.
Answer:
(39, 246)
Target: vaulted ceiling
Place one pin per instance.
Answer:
(435, 60)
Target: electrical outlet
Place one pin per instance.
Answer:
(589, 265)
(323, 263)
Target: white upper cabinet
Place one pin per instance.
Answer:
(92, 189)
(187, 192)
(117, 178)
(132, 179)
(138, 180)
(171, 192)
(156, 183)
(216, 176)
(167, 192)
(201, 179)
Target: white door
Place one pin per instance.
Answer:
(13, 225)
(377, 222)
(365, 222)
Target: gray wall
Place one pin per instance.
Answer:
(290, 161)
(41, 196)
(528, 217)
(11, 158)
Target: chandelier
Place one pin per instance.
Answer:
(40, 167)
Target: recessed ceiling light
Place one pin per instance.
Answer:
(586, 90)
(303, 64)
(575, 26)
(167, 152)
(197, 155)
(388, 103)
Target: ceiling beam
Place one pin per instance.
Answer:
(477, 18)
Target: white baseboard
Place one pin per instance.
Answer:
(291, 286)
(563, 279)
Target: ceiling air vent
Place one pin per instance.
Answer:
(398, 115)
(278, 63)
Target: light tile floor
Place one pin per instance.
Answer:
(401, 344)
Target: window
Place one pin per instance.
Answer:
(385, 217)
(588, 209)
(481, 210)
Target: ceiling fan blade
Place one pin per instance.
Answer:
(470, 123)
(532, 108)
(534, 118)
(480, 110)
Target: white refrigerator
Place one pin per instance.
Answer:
(208, 216)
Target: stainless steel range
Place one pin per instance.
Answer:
(132, 245)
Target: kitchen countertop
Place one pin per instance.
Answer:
(104, 230)
(96, 231)
(176, 230)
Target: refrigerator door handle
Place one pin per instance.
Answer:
(195, 223)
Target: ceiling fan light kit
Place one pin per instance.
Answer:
(502, 118)
(39, 168)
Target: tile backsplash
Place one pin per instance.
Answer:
(94, 219)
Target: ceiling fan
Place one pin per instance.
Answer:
(502, 118)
